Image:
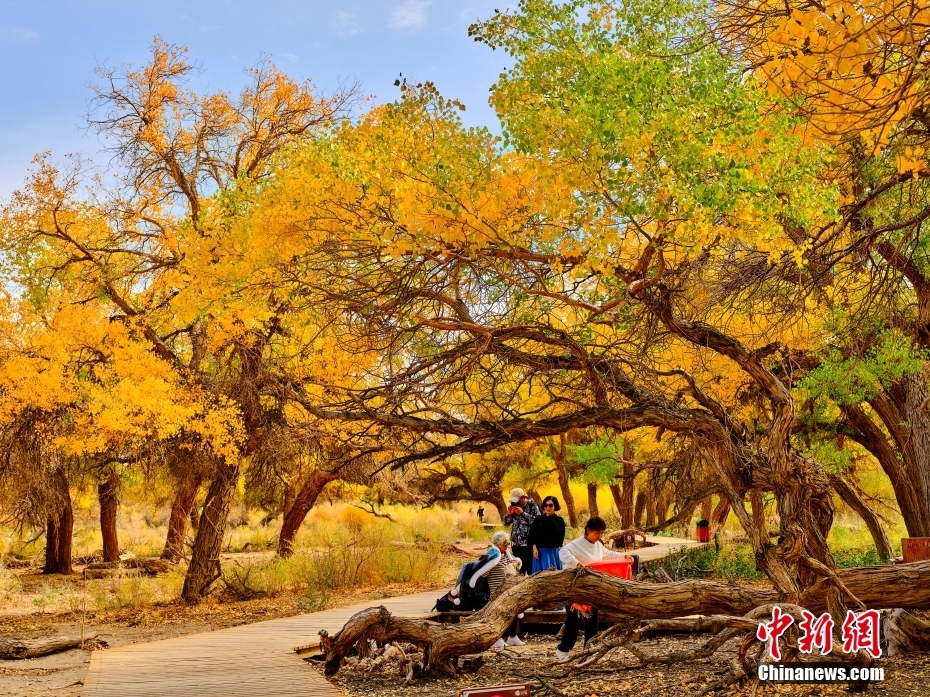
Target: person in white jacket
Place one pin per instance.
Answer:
(581, 552)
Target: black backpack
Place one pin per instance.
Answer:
(473, 598)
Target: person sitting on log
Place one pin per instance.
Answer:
(581, 552)
(479, 580)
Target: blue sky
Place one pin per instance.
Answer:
(49, 48)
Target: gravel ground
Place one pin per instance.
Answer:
(619, 674)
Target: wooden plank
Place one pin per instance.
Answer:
(253, 659)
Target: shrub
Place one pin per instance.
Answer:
(9, 583)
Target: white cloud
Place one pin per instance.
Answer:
(346, 23)
(292, 57)
(410, 15)
(17, 35)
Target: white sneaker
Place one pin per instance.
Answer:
(499, 644)
(515, 641)
(561, 655)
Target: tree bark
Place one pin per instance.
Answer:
(639, 509)
(905, 632)
(15, 649)
(851, 498)
(204, 568)
(107, 494)
(592, 500)
(617, 496)
(444, 642)
(916, 389)
(60, 528)
(51, 545)
(893, 461)
(498, 503)
(718, 518)
(301, 504)
(629, 479)
(662, 503)
(652, 493)
(707, 507)
(559, 455)
(180, 512)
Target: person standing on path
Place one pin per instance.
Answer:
(521, 514)
(480, 514)
(547, 533)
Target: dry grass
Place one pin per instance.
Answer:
(338, 549)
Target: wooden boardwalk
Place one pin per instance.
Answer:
(663, 546)
(253, 659)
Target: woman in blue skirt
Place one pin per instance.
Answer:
(547, 533)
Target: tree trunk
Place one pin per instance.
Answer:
(626, 496)
(905, 632)
(719, 516)
(617, 496)
(652, 493)
(906, 458)
(559, 455)
(917, 397)
(662, 503)
(180, 512)
(639, 508)
(51, 545)
(60, 528)
(204, 568)
(592, 500)
(851, 498)
(301, 504)
(107, 494)
(14, 649)
(499, 503)
(444, 642)
(707, 508)
(288, 499)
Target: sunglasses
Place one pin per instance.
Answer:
(548, 505)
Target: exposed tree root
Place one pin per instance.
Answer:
(727, 606)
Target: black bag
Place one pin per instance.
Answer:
(445, 604)
(473, 599)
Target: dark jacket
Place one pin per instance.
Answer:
(521, 523)
(547, 531)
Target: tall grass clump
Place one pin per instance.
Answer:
(344, 548)
(730, 562)
(9, 583)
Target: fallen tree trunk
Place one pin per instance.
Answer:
(12, 649)
(877, 587)
(150, 566)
